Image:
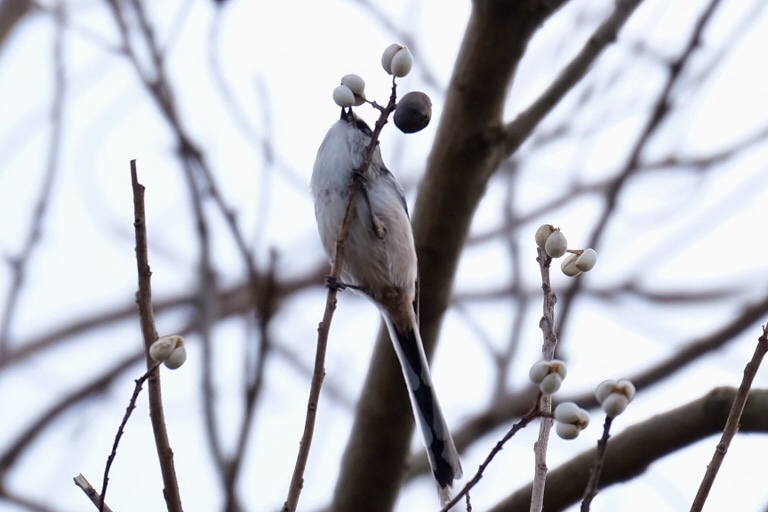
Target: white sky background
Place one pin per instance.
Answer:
(680, 230)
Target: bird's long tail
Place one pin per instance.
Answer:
(442, 453)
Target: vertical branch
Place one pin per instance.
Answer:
(732, 424)
(202, 185)
(19, 263)
(254, 370)
(149, 333)
(661, 110)
(297, 479)
(207, 304)
(547, 325)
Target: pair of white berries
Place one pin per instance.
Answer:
(548, 376)
(552, 241)
(571, 420)
(351, 92)
(612, 395)
(396, 60)
(169, 350)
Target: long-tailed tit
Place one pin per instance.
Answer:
(380, 262)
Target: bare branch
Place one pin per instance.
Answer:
(732, 425)
(254, 367)
(355, 188)
(47, 417)
(639, 445)
(120, 431)
(11, 12)
(548, 347)
(92, 493)
(518, 130)
(470, 144)
(511, 406)
(521, 424)
(660, 111)
(149, 333)
(29, 504)
(20, 262)
(233, 300)
(594, 474)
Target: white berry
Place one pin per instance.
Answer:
(571, 419)
(567, 412)
(397, 60)
(614, 396)
(615, 404)
(556, 244)
(567, 430)
(550, 384)
(163, 347)
(389, 53)
(177, 358)
(343, 96)
(357, 85)
(586, 260)
(568, 266)
(542, 234)
(402, 62)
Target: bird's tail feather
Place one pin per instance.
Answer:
(442, 453)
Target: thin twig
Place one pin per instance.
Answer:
(660, 111)
(510, 405)
(92, 493)
(19, 263)
(11, 12)
(643, 444)
(732, 425)
(202, 184)
(594, 475)
(255, 363)
(120, 431)
(521, 127)
(149, 333)
(31, 433)
(534, 413)
(297, 479)
(235, 300)
(547, 325)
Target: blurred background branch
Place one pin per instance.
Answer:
(653, 153)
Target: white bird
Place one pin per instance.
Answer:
(380, 262)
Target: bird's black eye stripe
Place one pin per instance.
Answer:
(363, 127)
(350, 117)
